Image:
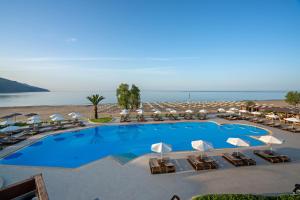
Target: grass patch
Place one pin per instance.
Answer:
(102, 120)
(244, 197)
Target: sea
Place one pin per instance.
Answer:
(79, 97)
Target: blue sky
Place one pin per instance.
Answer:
(165, 45)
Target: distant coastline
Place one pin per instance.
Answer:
(9, 86)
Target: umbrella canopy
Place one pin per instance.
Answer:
(203, 111)
(201, 145)
(173, 111)
(124, 112)
(272, 116)
(140, 112)
(238, 142)
(76, 116)
(269, 139)
(292, 119)
(243, 111)
(189, 111)
(71, 113)
(256, 113)
(161, 148)
(157, 112)
(7, 122)
(230, 112)
(57, 118)
(221, 110)
(9, 129)
(34, 121)
(233, 109)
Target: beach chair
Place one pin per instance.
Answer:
(233, 160)
(247, 160)
(166, 165)
(28, 189)
(271, 156)
(211, 162)
(197, 164)
(155, 167)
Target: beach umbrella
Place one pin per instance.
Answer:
(56, 116)
(272, 116)
(292, 119)
(269, 139)
(189, 111)
(157, 112)
(124, 112)
(9, 129)
(173, 111)
(230, 112)
(233, 109)
(203, 111)
(161, 148)
(71, 113)
(76, 116)
(256, 113)
(237, 142)
(140, 112)
(202, 146)
(221, 110)
(7, 122)
(34, 121)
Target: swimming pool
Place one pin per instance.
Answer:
(73, 149)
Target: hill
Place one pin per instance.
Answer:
(9, 86)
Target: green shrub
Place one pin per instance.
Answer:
(244, 197)
(102, 120)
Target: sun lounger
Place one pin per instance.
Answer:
(154, 166)
(247, 160)
(196, 164)
(27, 189)
(213, 164)
(233, 160)
(287, 128)
(271, 156)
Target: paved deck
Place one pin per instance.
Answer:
(108, 179)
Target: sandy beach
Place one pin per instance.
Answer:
(87, 110)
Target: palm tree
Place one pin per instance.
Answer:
(95, 100)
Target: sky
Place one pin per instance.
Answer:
(158, 45)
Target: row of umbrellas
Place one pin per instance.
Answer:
(155, 111)
(203, 146)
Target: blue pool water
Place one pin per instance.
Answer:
(73, 149)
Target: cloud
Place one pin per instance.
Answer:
(71, 40)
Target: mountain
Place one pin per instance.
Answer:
(8, 86)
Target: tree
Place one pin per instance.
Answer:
(123, 95)
(95, 100)
(135, 97)
(292, 98)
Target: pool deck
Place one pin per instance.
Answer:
(108, 179)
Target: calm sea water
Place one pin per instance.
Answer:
(79, 98)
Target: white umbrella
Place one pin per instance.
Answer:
(34, 117)
(140, 112)
(230, 112)
(76, 116)
(292, 119)
(221, 110)
(124, 112)
(203, 111)
(238, 142)
(7, 122)
(71, 113)
(157, 112)
(56, 115)
(256, 113)
(243, 111)
(58, 118)
(269, 139)
(202, 146)
(173, 111)
(233, 109)
(9, 129)
(189, 111)
(34, 121)
(161, 148)
(272, 116)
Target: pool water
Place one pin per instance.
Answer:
(73, 149)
